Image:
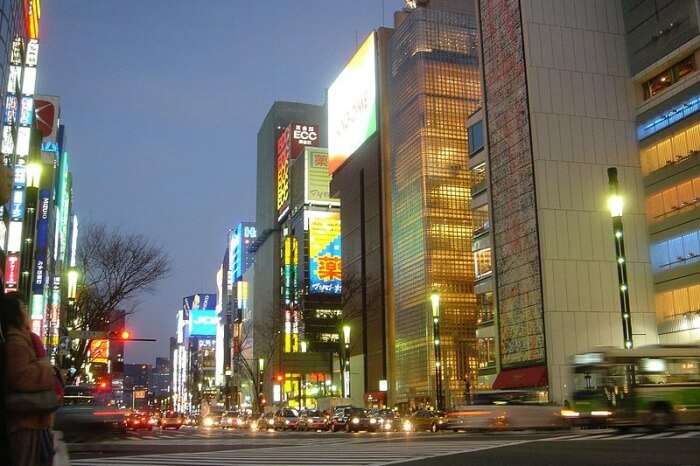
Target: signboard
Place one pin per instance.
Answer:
(352, 105)
(99, 351)
(324, 252)
(42, 241)
(46, 113)
(317, 179)
(32, 14)
(302, 135)
(283, 148)
(203, 322)
(199, 301)
(12, 271)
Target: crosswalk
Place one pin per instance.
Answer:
(342, 453)
(615, 435)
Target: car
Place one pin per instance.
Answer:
(84, 418)
(234, 420)
(286, 419)
(211, 420)
(361, 419)
(505, 410)
(263, 423)
(340, 418)
(387, 420)
(422, 420)
(172, 420)
(138, 421)
(312, 419)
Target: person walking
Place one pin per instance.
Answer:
(29, 433)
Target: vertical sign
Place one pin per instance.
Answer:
(283, 149)
(42, 241)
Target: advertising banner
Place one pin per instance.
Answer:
(99, 351)
(42, 241)
(199, 301)
(317, 189)
(302, 135)
(12, 271)
(47, 114)
(203, 322)
(352, 105)
(324, 253)
(283, 148)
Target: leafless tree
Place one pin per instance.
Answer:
(259, 338)
(115, 268)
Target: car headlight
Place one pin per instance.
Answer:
(355, 420)
(601, 413)
(286, 422)
(407, 426)
(372, 420)
(569, 413)
(208, 422)
(271, 422)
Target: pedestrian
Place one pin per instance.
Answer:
(29, 432)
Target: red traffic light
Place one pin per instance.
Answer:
(280, 377)
(124, 335)
(103, 384)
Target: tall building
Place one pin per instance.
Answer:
(11, 25)
(557, 114)
(434, 87)
(663, 51)
(359, 150)
(267, 314)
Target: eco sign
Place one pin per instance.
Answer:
(324, 253)
(352, 105)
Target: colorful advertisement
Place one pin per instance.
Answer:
(317, 179)
(324, 252)
(42, 242)
(12, 271)
(199, 301)
(203, 322)
(99, 351)
(47, 113)
(352, 105)
(302, 135)
(283, 171)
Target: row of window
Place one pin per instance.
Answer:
(669, 77)
(674, 200)
(676, 251)
(674, 303)
(673, 149)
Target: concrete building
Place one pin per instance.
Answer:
(558, 112)
(663, 51)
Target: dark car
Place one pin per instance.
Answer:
(422, 420)
(286, 419)
(82, 417)
(361, 419)
(387, 420)
(137, 421)
(340, 418)
(312, 419)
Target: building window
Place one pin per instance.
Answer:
(482, 263)
(677, 302)
(669, 77)
(671, 150)
(480, 219)
(484, 307)
(475, 135)
(678, 250)
(487, 353)
(674, 200)
(478, 178)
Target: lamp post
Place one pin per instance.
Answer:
(435, 302)
(346, 361)
(615, 205)
(259, 385)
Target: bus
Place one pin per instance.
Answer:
(654, 386)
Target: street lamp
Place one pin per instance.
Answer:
(346, 361)
(259, 385)
(435, 302)
(615, 206)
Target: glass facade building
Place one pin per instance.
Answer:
(435, 86)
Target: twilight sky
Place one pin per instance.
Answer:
(162, 101)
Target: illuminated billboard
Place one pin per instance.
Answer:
(203, 322)
(199, 301)
(283, 171)
(317, 179)
(352, 105)
(302, 135)
(324, 252)
(99, 351)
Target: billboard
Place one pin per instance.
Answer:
(283, 148)
(302, 135)
(46, 112)
(203, 322)
(99, 351)
(317, 179)
(352, 105)
(42, 241)
(199, 301)
(324, 252)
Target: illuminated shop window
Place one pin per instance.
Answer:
(668, 77)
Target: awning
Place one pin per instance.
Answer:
(525, 377)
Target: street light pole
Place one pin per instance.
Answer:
(615, 205)
(435, 301)
(346, 361)
(259, 385)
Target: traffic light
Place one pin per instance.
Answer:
(279, 378)
(119, 335)
(125, 335)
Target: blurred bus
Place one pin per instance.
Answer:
(656, 386)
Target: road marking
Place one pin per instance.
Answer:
(688, 435)
(616, 437)
(659, 435)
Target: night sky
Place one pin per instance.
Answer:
(162, 101)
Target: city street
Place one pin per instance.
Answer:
(201, 447)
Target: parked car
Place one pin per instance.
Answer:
(286, 419)
(172, 420)
(264, 422)
(422, 420)
(312, 419)
(505, 409)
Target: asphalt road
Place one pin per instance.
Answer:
(223, 448)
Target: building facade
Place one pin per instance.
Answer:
(663, 52)
(557, 114)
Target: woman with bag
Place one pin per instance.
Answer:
(30, 384)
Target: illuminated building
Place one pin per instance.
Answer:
(434, 87)
(358, 108)
(266, 294)
(557, 114)
(663, 51)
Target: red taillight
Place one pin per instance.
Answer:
(107, 413)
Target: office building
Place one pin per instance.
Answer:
(663, 52)
(557, 113)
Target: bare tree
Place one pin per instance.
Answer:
(115, 268)
(259, 339)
